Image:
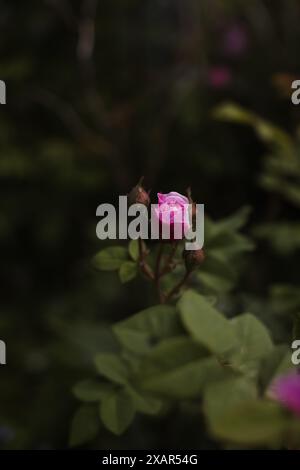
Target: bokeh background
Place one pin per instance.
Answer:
(98, 94)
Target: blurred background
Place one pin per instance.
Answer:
(98, 94)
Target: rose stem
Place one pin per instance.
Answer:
(145, 268)
(168, 265)
(178, 286)
(157, 272)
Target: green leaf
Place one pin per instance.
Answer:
(128, 271)
(284, 365)
(283, 237)
(253, 423)
(117, 412)
(235, 221)
(91, 391)
(144, 329)
(223, 248)
(224, 395)
(228, 247)
(206, 324)
(216, 275)
(231, 112)
(171, 353)
(134, 249)
(285, 298)
(185, 381)
(112, 367)
(110, 259)
(85, 426)
(82, 340)
(279, 140)
(276, 363)
(144, 403)
(254, 343)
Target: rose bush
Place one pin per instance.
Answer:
(186, 349)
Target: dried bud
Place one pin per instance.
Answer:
(138, 195)
(193, 258)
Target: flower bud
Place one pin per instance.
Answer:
(138, 195)
(172, 215)
(193, 259)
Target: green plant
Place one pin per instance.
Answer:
(280, 177)
(186, 351)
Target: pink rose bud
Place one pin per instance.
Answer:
(286, 390)
(172, 214)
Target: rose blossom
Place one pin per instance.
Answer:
(286, 390)
(173, 215)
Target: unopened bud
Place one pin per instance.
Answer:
(138, 195)
(193, 259)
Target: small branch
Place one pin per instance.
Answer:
(169, 265)
(158, 273)
(158, 260)
(177, 287)
(144, 266)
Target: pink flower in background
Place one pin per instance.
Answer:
(286, 390)
(219, 76)
(235, 40)
(173, 214)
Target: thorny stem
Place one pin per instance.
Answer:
(158, 272)
(169, 263)
(178, 286)
(145, 268)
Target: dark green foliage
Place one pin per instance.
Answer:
(80, 130)
(222, 361)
